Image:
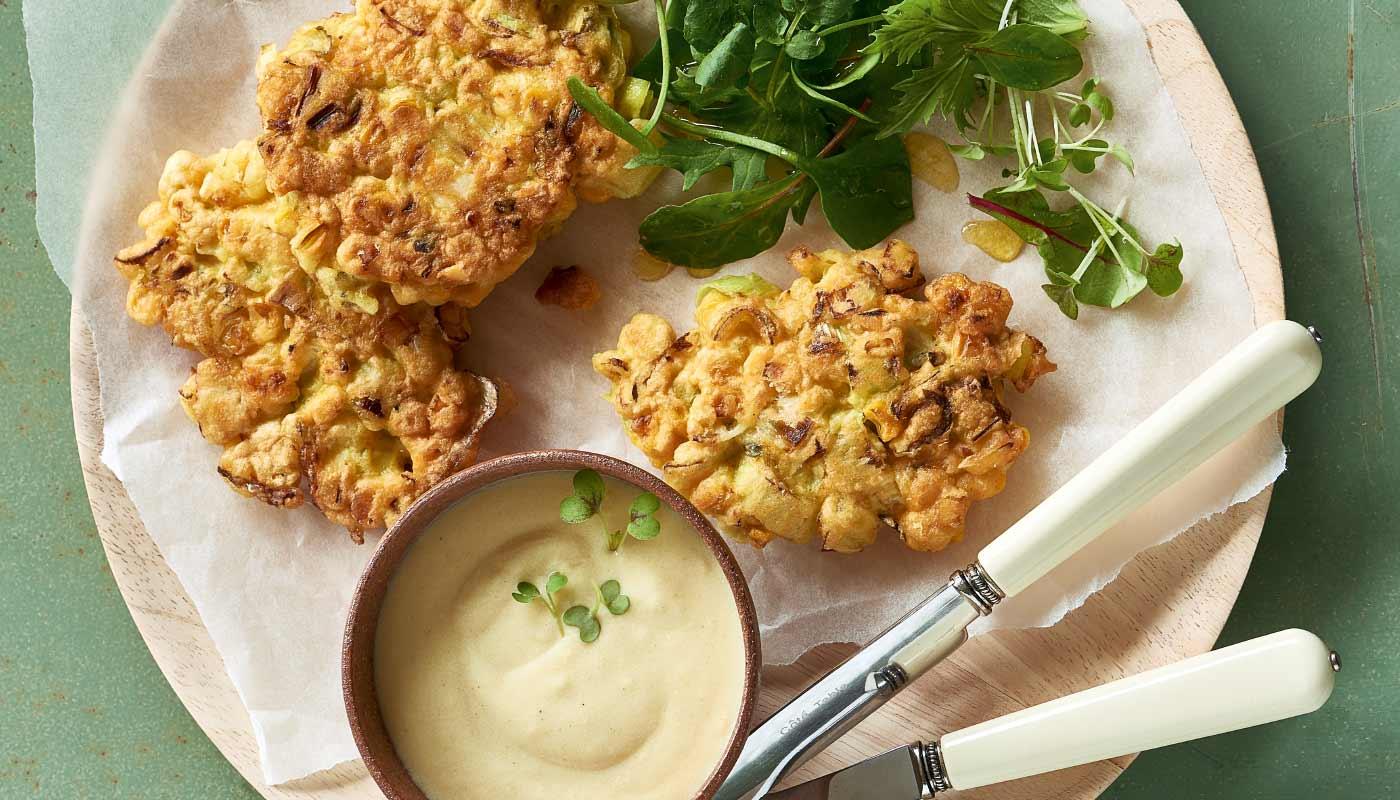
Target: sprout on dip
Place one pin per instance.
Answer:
(483, 698)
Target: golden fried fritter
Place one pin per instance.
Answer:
(443, 133)
(833, 407)
(317, 385)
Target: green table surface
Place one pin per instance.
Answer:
(85, 713)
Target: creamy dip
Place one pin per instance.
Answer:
(484, 699)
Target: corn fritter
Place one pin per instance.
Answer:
(317, 385)
(443, 134)
(835, 408)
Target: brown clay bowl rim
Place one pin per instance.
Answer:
(357, 655)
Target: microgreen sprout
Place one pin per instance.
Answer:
(587, 503)
(587, 499)
(586, 620)
(611, 597)
(526, 592)
(607, 595)
(642, 524)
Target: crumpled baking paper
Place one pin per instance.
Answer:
(273, 586)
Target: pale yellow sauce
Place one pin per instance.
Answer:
(993, 237)
(483, 698)
(932, 162)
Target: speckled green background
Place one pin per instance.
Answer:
(84, 713)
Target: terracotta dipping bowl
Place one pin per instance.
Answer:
(357, 659)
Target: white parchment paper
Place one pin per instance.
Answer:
(273, 586)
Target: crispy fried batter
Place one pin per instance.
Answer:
(833, 407)
(570, 288)
(317, 385)
(443, 134)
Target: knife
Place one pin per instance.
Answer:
(1263, 680)
(1272, 366)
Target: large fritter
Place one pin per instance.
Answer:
(833, 408)
(317, 385)
(443, 133)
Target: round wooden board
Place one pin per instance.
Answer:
(1169, 602)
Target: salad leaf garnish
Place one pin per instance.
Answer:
(801, 99)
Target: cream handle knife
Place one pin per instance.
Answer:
(1265, 371)
(1271, 367)
(1263, 680)
(1275, 677)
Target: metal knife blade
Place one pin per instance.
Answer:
(895, 775)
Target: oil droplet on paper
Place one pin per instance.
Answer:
(931, 161)
(701, 272)
(650, 268)
(993, 237)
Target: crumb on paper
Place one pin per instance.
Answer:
(569, 287)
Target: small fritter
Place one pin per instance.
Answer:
(317, 385)
(833, 408)
(443, 133)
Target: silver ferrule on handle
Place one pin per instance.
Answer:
(930, 769)
(854, 689)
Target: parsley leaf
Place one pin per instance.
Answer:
(946, 89)
(913, 26)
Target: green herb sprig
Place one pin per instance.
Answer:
(800, 98)
(765, 82)
(527, 593)
(996, 73)
(607, 595)
(587, 503)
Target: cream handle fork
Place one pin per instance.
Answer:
(1274, 677)
(1274, 365)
